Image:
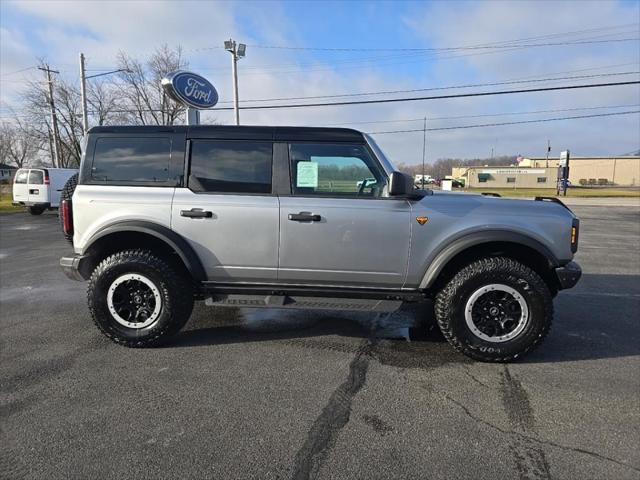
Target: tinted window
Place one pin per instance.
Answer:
(511, 179)
(230, 166)
(542, 179)
(36, 177)
(334, 169)
(131, 160)
(21, 176)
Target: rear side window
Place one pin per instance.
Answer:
(130, 159)
(230, 166)
(36, 177)
(21, 176)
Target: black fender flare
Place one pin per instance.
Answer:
(440, 259)
(172, 239)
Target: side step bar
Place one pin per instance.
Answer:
(307, 298)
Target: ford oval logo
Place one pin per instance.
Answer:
(190, 89)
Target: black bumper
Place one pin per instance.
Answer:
(568, 275)
(76, 267)
(31, 204)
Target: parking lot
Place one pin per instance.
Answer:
(272, 394)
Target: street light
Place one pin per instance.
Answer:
(237, 51)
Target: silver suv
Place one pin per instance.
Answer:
(289, 217)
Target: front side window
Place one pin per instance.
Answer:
(226, 166)
(36, 177)
(130, 159)
(334, 170)
(21, 176)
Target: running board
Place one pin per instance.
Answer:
(301, 302)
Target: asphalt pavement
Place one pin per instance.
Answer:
(283, 394)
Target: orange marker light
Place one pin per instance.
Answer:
(422, 220)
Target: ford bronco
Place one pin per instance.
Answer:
(308, 218)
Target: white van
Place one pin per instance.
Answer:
(39, 189)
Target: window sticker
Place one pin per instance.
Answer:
(307, 175)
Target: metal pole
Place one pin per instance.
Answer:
(424, 147)
(234, 69)
(83, 95)
(54, 118)
(548, 150)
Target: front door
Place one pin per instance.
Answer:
(339, 227)
(228, 213)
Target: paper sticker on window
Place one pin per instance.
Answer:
(307, 174)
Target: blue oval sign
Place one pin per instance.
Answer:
(190, 89)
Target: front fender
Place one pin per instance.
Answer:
(439, 259)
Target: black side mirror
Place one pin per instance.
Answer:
(400, 184)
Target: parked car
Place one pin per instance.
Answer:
(240, 216)
(39, 189)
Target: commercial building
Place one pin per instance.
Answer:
(542, 173)
(507, 177)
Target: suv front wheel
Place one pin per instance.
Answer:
(139, 300)
(494, 310)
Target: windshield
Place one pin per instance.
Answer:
(386, 163)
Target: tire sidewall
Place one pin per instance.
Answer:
(98, 302)
(537, 322)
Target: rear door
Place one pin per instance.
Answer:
(37, 187)
(20, 190)
(227, 211)
(339, 227)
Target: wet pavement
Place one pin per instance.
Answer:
(298, 394)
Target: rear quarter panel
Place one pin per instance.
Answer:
(97, 206)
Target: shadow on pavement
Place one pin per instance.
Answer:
(598, 319)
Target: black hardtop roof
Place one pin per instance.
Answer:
(247, 132)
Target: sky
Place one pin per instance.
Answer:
(337, 48)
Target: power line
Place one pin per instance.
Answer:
(501, 114)
(506, 123)
(434, 97)
(500, 44)
(468, 85)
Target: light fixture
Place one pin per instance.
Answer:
(242, 49)
(228, 45)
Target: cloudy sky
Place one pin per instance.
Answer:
(337, 48)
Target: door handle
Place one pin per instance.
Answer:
(196, 213)
(304, 217)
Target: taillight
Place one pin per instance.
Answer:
(46, 177)
(67, 217)
(575, 231)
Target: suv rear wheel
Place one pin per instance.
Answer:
(494, 310)
(139, 300)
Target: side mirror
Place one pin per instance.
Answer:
(400, 184)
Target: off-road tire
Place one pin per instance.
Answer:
(175, 290)
(36, 210)
(451, 301)
(66, 194)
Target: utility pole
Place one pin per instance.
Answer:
(55, 154)
(237, 52)
(424, 147)
(548, 150)
(83, 94)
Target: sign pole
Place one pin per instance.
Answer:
(193, 116)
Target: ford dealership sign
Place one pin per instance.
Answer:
(190, 89)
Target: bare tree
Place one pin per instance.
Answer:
(17, 144)
(143, 95)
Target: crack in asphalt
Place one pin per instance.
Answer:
(537, 440)
(323, 434)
